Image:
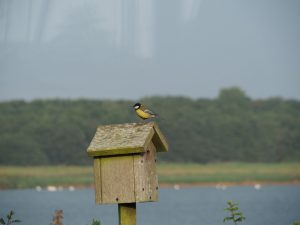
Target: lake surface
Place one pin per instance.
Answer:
(270, 205)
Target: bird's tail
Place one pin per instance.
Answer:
(158, 117)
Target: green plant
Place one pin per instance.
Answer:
(235, 216)
(10, 219)
(96, 222)
(296, 222)
(57, 217)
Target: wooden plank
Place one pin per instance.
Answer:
(146, 183)
(117, 179)
(111, 138)
(151, 164)
(126, 138)
(127, 213)
(159, 140)
(148, 139)
(119, 151)
(97, 180)
(141, 179)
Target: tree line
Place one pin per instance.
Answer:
(231, 127)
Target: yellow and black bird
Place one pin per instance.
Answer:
(144, 113)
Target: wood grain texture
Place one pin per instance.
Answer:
(125, 162)
(146, 183)
(125, 139)
(127, 213)
(159, 140)
(97, 180)
(117, 179)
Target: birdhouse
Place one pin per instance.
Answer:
(125, 162)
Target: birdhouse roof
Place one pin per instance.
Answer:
(120, 139)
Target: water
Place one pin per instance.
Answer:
(272, 205)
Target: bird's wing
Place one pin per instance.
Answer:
(150, 112)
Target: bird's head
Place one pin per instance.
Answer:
(137, 105)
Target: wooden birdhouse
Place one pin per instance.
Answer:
(125, 162)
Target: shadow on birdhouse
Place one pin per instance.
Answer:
(125, 162)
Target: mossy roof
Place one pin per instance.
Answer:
(128, 138)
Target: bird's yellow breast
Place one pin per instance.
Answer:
(143, 114)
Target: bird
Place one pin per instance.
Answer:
(144, 113)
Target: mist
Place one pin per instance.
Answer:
(116, 49)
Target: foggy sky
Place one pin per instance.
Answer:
(130, 49)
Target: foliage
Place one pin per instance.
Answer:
(231, 127)
(96, 222)
(235, 216)
(10, 219)
(57, 217)
(296, 223)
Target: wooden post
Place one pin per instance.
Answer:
(127, 213)
(125, 166)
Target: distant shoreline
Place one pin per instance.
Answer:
(217, 185)
(170, 175)
(231, 184)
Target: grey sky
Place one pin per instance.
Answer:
(109, 49)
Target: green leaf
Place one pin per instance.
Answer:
(231, 204)
(227, 218)
(234, 208)
(96, 222)
(239, 219)
(10, 215)
(2, 221)
(237, 214)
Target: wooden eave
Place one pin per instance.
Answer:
(129, 138)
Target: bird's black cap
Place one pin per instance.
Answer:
(137, 104)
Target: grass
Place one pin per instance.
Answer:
(229, 172)
(29, 177)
